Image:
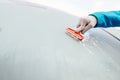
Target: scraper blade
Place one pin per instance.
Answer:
(74, 34)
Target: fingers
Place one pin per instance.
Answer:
(86, 23)
(89, 26)
(82, 24)
(84, 28)
(79, 29)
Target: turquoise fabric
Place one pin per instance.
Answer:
(107, 19)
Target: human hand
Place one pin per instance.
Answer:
(86, 23)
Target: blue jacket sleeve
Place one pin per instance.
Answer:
(107, 19)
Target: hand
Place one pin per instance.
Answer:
(86, 23)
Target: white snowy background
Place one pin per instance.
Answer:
(77, 7)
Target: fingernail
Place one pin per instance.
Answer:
(78, 29)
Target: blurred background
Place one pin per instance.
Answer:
(76, 7)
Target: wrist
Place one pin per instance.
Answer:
(93, 20)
